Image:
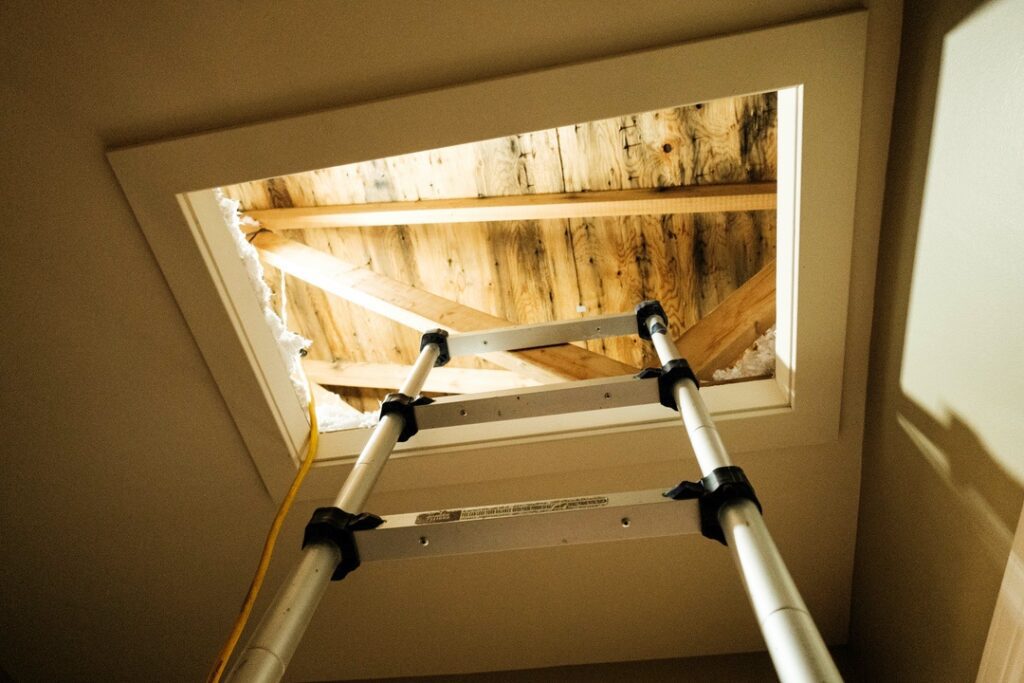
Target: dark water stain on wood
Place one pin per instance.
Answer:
(277, 191)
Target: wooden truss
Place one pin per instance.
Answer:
(715, 341)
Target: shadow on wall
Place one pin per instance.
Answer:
(936, 524)
(975, 479)
(937, 511)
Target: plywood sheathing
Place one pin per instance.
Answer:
(535, 271)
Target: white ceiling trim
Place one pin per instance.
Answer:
(817, 66)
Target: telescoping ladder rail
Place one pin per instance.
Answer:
(722, 506)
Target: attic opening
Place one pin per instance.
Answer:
(171, 186)
(678, 204)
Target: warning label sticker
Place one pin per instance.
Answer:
(512, 510)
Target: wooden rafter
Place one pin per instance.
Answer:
(730, 197)
(422, 310)
(446, 380)
(721, 336)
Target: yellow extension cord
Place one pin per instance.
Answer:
(268, 548)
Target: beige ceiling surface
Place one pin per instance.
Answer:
(143, 455)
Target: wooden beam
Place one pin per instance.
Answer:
(673, 200)
(422, 310)
(445, 380)
(721, 337)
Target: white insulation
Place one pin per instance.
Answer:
(332, 415)
(757, 361)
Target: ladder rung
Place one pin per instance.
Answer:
(531, 524)
(542, 334)
(548, 399)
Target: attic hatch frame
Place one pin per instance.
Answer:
(817, 67)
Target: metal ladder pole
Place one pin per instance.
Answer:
(796, 647)
(271, 647)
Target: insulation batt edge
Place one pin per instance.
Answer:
(332, 413)
(757, 361)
